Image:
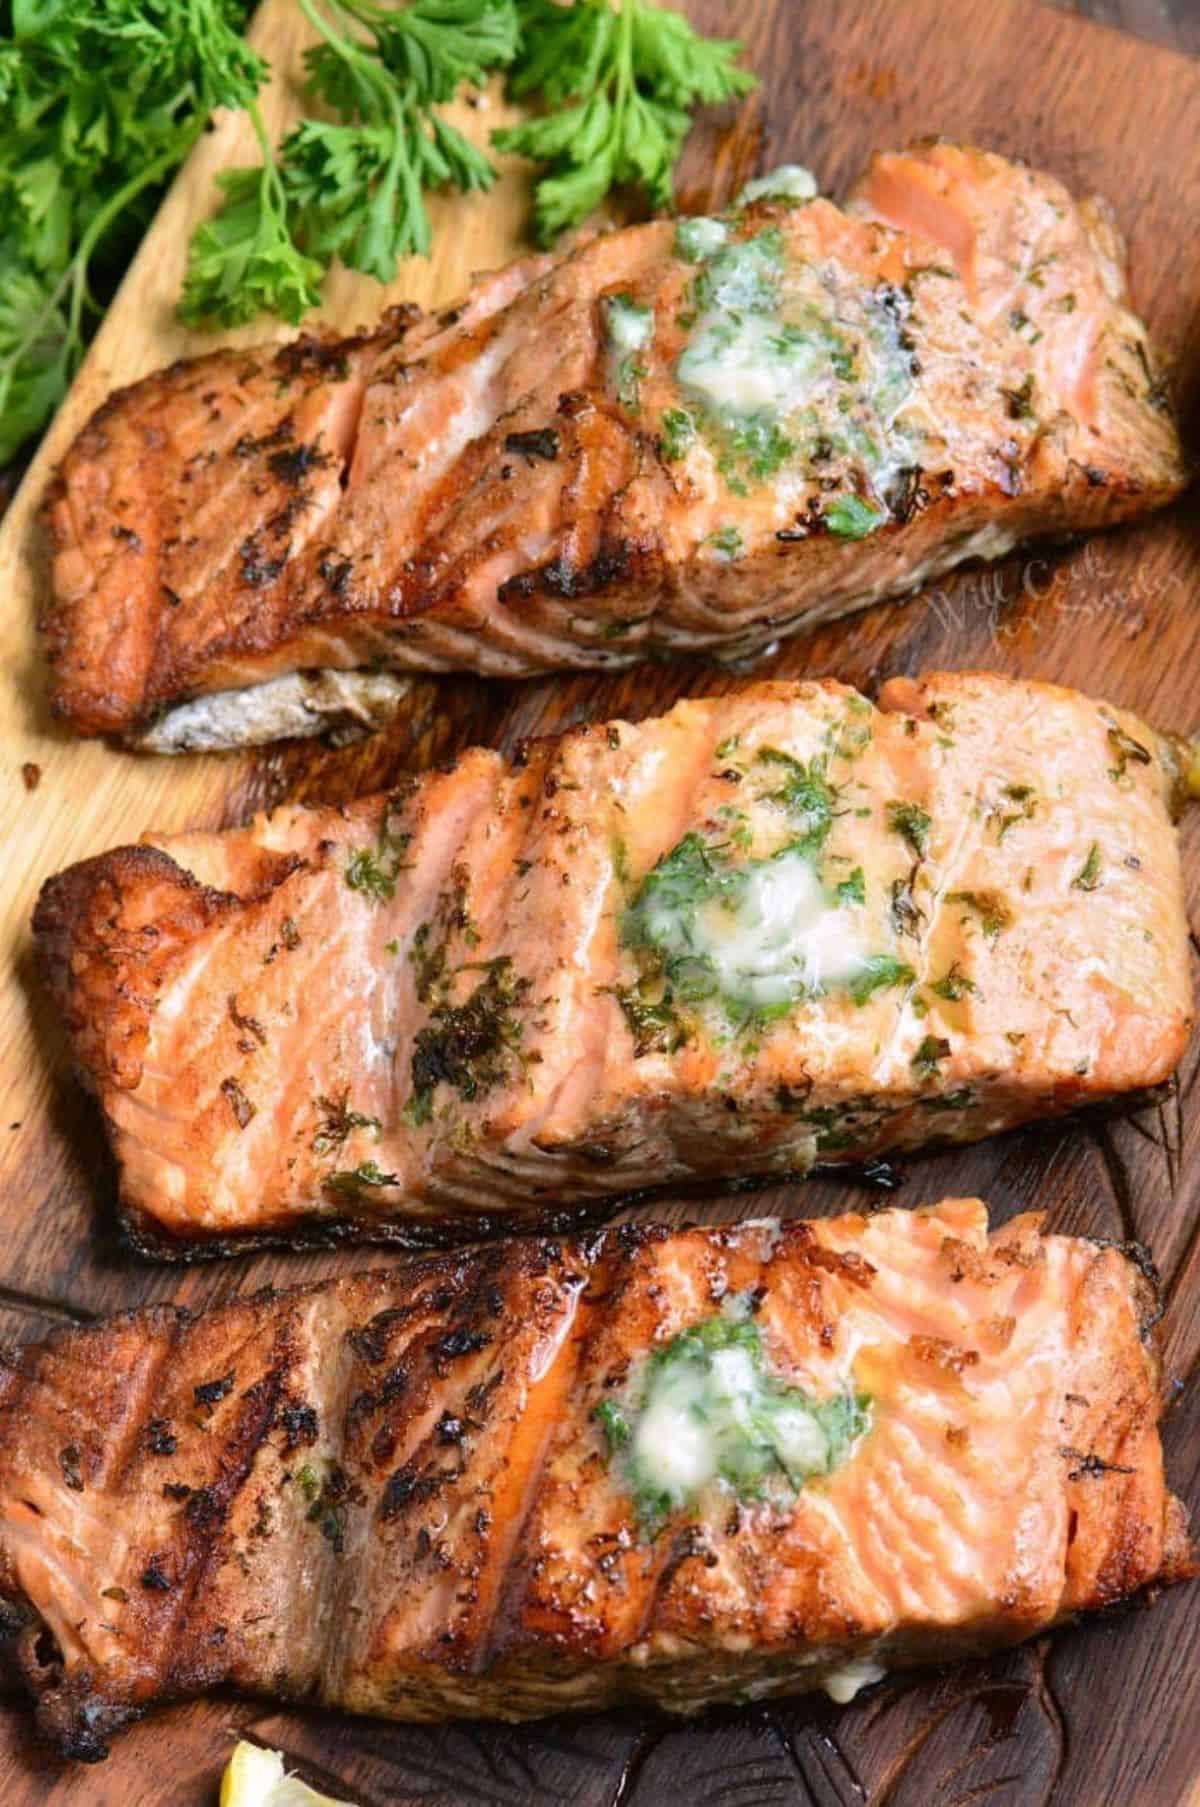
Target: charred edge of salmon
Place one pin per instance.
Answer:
(147, 1239)
(317, 354)
(1145, 1287)
(77, 1717)
(79, 1728)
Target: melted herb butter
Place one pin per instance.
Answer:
(790, 182)
(745, 366)
(792, 364)
(752, 935)
(708, 1412)
(630, 328)
(629, 324)
(783, 939)
(700, 237)
(755, 937)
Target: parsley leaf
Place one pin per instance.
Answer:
(1088, 876)
(880, 972)
(38, 351)
(374, 870)
(632, 72)
(613, 1423)
(243, 261)
(806, 793)
(353, 1181)
(678, 432)
(933, 1050)
(955, 985)
(853, 890)
(992, 911)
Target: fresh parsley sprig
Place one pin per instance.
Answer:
(633, 72)
(98, 104)
(353, 189)
(244, 260)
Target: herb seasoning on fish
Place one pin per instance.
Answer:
(792, 364)
(758, 935)
(766, 929)
(630, 329)
(709, 1411)
(469, 1046)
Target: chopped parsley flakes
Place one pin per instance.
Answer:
(853, 519)
(373, 871)
(1088, 876)
(912, 823)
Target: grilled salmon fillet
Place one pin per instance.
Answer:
(714, 1465)
(760, 931)
(682, 437)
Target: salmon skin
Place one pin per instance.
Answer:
(447, 1489)
(684, 437)
(763, 930)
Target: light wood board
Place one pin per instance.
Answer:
(1099, 1715)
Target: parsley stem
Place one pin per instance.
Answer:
(400, 168)
(145, 178)
(625, 78)
(74, 277)
(275, 193)
(321, 25)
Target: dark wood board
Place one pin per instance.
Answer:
(1100, 1714)
(1175, 23)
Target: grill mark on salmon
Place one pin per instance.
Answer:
(949, 359)
(392, 1493)
(768, 929)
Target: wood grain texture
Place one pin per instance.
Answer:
(1172, 22)
(1098, 1715)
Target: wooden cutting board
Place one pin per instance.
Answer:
(1100, 1714)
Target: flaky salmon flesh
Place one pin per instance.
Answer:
(767, 929)
(688, 436)
(716, 1465)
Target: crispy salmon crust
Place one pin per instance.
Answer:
(427, 1012)
(493, 489)
(391, 1492)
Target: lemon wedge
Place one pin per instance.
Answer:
(255, 1777)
